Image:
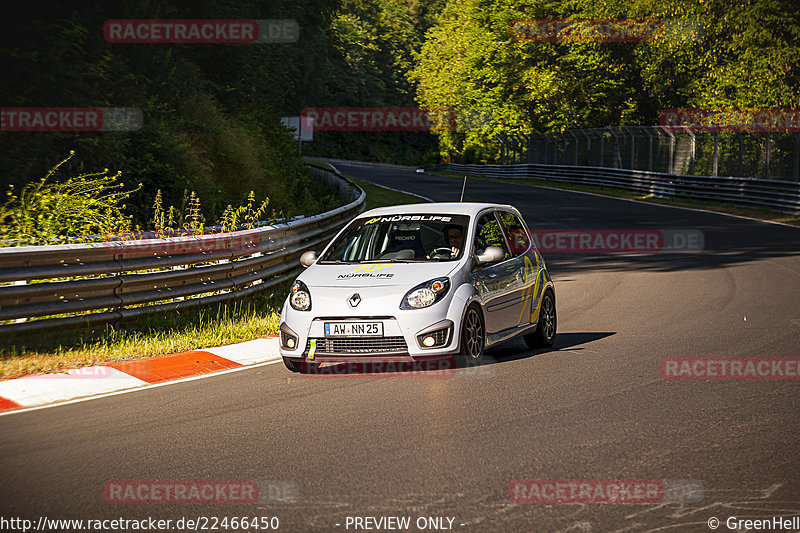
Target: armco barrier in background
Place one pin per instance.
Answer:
(783, 196)
(101, 282)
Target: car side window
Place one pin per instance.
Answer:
(518, 238)
(488, 233)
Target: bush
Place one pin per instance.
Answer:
(48, 210)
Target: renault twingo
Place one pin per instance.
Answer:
(419, 281)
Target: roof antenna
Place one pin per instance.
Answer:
(464, 186)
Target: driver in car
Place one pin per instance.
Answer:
(455, 238)
(454, 235)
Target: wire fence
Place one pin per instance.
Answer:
(679, 151)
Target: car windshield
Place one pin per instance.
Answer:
(400, 238)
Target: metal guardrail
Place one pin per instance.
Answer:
(69, 285)
(783, 196)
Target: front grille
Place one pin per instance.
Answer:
(360, 345)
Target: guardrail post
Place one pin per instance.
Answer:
(617, 155)
(575, 137)
(716, 154)
(563, 142)
(543, 140)
(588, 145)
(768, 142)
(741, 149)
(693, 144)
(602, 149)
(633, 146)
(646, 131)
(797, 157)
(671, 169)
(530, 144)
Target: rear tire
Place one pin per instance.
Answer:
(545, 334)
(473, 336)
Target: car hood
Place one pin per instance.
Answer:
(375, 274)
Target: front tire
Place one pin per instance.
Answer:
(302, 367)
(545, 334)
(294, 366)
(473, 336)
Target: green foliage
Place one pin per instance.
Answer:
(44, 211)
(745, 55)
(211, 112)
(244, 215)
(371, 44)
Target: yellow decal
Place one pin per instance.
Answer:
(372, 221)
(528, 271)
(313, 349)
(537, 286)
(370, 268)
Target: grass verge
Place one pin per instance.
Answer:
(146, 336)
(752, 212)
(164, 333)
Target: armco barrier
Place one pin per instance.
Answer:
(69, 285)
(783, 196)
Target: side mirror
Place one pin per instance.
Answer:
(492, 254)
(308, 258)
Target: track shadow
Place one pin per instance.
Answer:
(517, 349)
(445, 366)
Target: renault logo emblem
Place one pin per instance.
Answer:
(354, 300)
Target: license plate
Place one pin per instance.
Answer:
(354, 329)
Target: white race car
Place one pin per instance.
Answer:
(419, 281)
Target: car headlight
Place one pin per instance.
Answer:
(300, 298)
(426, 294)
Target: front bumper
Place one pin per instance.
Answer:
(405, 333)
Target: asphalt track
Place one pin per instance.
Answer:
(594, 408)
